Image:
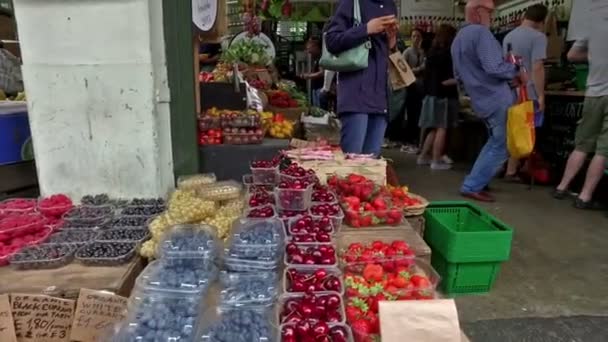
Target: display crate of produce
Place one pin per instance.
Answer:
(106, 253)
(331, 210)
(291, 198)
(258, 239)
(241, 120)
(129, 234)
(45, 256)
(308, 224)
(462, 232)
(210, 137)
(467, 277)
(206, 122)
(263, 212)
(74, 236)
(252, 186)
(243, 136)
(193, 182)
(54, 206)
(143, 210)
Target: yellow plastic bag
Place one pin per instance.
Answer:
(521, 135)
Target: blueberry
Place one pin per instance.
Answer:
(130, 221)
(188, 238)
(143, 210)
(172, 276)
(100, 199)
(147, 201)
(73, 236)
(257, 240)
(243, 324)
(248, 289)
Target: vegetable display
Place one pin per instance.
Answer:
(246, 51)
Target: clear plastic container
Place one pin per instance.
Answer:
(40, 236)
(130, 221)
(220, 191)
(324, 196)
(89, 216)
(263, 212)
(230, 324)
(207, 122)
(333, 311)
(265, 175)
(19, 205)
(128, 234)
(45, 256)
(259, 199)
(258, 239)
(309, 224)
(241, 120)
(21, 225)
(388, 217)
(53, 210)
(322, 279)
(142, 210)
(106, 253)
(77, 236)
(193, 182)
(340, 329)
(403, 272)
(158, 276)
(335, 219)
(244, 138)
(243, 265)
(247, 289)
(310, 255)
(287, 178)
(293, 199)
(197, 243)
(286, 215)
(161, 316)
(251, 186)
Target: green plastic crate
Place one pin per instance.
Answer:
(465, 278)
(462, 232)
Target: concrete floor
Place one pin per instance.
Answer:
(559, 258)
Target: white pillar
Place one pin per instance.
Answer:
(96, 82)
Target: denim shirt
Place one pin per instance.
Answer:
(361, 91)
(480, 66)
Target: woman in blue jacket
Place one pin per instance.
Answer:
(363, 94)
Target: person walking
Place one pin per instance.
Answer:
(486, 76)
(363, 94)
(415, 58)
(592, 131)
(440, 105)
(316, 74)
(529, 42)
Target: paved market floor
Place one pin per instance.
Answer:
(559, 259)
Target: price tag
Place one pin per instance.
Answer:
(7, 325)
(204, 13)
(96, 313)
(40, 318)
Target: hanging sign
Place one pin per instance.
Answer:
(204, 14)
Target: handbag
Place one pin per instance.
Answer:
(521, 135)
(350, 60)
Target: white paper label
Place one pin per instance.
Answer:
(204, 13)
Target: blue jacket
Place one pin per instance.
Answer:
(362, 91)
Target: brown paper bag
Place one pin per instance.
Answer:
(399, 72)
(555, 43)
(420, 321)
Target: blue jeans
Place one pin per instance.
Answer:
(492, 155)
(362, 133)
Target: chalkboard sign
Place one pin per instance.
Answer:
(223, 96)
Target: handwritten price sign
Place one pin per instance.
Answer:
(96, 314)
(42, 318)
(7, 327)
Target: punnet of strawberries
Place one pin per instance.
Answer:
(21, 205)
(378, 272)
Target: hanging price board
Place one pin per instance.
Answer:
(204, 14)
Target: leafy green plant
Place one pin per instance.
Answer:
(247, 51)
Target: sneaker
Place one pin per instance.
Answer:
(409, 149)
(423, 161)
(440, 166)
(447, 160)
(589, 205)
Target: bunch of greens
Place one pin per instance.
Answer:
(246, 51)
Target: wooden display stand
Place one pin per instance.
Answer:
(403, 232)
(66, 282)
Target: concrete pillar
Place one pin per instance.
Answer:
(96, 81)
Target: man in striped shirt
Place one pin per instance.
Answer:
(480, 66)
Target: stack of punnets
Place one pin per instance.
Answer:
(468, 246)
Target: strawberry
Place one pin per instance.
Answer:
(366, 256)
(395, 214)
(373, 302)
(379, 203)
(420, 281)
(400, 245)
(366, 221)
(353, 313)
(355, 178)
(361, 328)
(368, 206)
(373, 272)
(377, 245)
(373, 321)
(400, 282)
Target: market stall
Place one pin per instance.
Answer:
(289, 252)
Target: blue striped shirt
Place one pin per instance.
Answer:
(480, 66)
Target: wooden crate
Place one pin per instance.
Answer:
(372, 169)
(405, 233)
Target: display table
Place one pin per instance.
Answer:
(66, 281)
(232, 161)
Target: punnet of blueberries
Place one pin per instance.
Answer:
(240, 325)
(73, 236)
(130, 221)
(124, 234)
(156, 317)
(99, 199)
(189, 241)
(257, 240)
(44, 256)
(143, 210)
(106, 253)
(185, 279)
(248, 288)
(86, 216)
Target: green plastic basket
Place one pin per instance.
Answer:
(465, 278)
(462, 232)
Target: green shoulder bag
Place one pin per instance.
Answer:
(349, 60)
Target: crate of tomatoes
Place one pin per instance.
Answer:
(210, 137)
